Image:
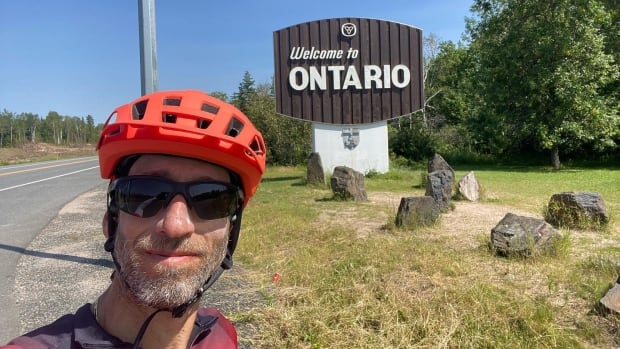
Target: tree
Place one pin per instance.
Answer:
(91, 130)
(6, 128)
(31, 122)
(52, 128)
(450, 83)
(450, 103)
(288, 140)
(431, 49)
(612, 42)
(412, 140)
(242, 98)
(542, 69)
(219, 95)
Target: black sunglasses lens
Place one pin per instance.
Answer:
(213, 200)
(143, 197)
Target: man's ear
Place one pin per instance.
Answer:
(104, 224)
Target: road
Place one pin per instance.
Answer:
(31, 195)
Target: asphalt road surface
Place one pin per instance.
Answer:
(30, 196)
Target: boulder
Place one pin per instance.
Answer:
(577, 210)
(469, 187)
(438, 163)
(315, 172)
(346, 183)
(416, 211)
(523, 235)
(439, 187)
(611, 300)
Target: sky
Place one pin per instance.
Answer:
(82, 58)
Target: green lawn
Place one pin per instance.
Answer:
(352, 280)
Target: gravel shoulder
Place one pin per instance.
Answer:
(66, 266)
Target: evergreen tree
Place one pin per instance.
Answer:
(246, 92)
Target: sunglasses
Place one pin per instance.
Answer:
(145, 196)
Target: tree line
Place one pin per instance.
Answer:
(16, 129)
(531, 80)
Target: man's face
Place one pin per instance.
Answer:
(166, 258)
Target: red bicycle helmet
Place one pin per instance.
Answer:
(185, 123)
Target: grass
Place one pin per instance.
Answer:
(350, 279)
(531, 188)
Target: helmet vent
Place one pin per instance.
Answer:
(114, 132)
(172, 101)
(169, 118)
(202, 123)
(234, 127)
(139, 109)
(209, 108)
(255, 146)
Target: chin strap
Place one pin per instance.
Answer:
(145, 325)
(181, 309)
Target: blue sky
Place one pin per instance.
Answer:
(80, 57)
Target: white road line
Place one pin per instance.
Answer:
(33, 164)
(47, 179)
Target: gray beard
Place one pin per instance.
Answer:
(171, 287)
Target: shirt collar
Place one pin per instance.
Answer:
(89, 334)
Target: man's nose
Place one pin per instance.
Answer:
(177, 221)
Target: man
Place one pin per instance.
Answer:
(182, 166)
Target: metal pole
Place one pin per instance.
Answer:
(148, 46)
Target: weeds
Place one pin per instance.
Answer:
(351, 280)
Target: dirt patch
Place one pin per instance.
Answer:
(466, 220)
(471, 219)
(461, 227)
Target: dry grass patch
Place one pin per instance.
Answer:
(364, 218)
(350, 280)
(30, 152)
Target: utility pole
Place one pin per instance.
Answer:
(148, 46)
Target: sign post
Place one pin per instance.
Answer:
(148, 46)
(348, 76)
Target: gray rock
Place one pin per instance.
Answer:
(523, 235)
(315, 171)
(346, 183)
(469, 187)
(611, 300)
(577, 210)
(416, 211)
(438, 163)
(439, 187)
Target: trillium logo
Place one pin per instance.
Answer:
(348, 30)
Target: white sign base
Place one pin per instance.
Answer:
(363, 148)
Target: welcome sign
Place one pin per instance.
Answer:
(348, 70)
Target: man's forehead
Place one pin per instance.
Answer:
(177, 168)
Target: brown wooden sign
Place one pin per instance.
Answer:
(348, 70)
